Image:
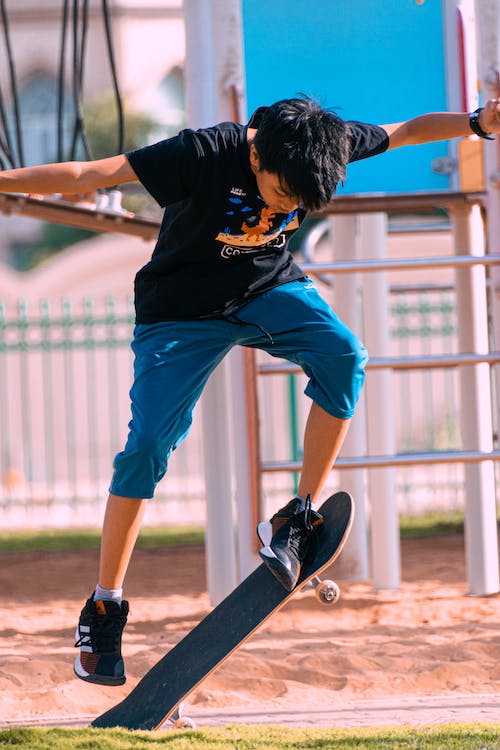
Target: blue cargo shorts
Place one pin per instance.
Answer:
(173, 360)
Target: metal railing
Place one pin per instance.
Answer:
(407, 363)
(65, 374)
(65, 371)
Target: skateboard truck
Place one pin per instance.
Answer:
(326, 591)
(179, 721)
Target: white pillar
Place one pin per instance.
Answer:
(220, 549)
(347, 304)
(385, 544)
(214, 64)
(246, 535)
(488, 25)
(201, 104)
(481, 539)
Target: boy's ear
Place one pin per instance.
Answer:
(254, 159)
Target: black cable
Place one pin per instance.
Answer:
(6, 144)
(74, 82)
(82, 56)
(79, 40)
(13, 85)
(83, 43)
(61, 82)
(114, 75)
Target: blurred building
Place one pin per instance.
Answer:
(147, 38)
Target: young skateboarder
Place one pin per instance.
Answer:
(220, 276)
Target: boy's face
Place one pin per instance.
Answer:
(270, 188)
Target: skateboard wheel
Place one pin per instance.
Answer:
(327, 592)
(184, 722)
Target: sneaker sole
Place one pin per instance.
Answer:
(268, 556)
(276, 567)
(96, 679)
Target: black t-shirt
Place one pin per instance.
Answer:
(219, 244)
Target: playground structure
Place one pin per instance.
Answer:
(368, 457)
(477, 429)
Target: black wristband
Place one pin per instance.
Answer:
(476, 127)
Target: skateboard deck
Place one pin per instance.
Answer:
(160, 692)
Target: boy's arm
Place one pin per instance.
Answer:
(439, 126)
(68, 177)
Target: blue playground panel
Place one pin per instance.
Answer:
(376, 61)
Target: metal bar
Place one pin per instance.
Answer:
(6, 458)
(252, 425)
(19, 346)
(59, 212)
(70, 398)
(401, 264)
(112, 321)
(26, 393)
(399, 202)
(47, 389)
(396, 363)
(400, 459)
(432, 361)
(91, 388)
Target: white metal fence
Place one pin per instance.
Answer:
(65, 372)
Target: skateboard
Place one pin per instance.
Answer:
(159, 696)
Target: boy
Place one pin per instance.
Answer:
(221, 275)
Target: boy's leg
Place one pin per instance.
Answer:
(305, 330)
(121, 525)
(290, 528)
(172, 364)
(323, 438)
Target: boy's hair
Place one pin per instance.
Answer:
(306, 146)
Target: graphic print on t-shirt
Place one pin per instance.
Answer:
(249, 228)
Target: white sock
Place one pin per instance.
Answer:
(114, 595)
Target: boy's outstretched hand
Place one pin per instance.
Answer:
(489, 118)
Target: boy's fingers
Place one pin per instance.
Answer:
(493, 105)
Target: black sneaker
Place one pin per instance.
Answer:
(99, 638)
(287, 539)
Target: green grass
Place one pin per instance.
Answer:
(78, 539)
(446, 737)
(412, 527)
(431, 524)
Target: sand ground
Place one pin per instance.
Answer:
(427, 644)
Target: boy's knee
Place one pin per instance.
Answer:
(347, 359)
(139, 468)
(359, 356)
(337, 377)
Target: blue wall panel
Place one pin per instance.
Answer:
(372, 60)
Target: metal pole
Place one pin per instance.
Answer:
(386, 563)
(422, 362)
(246, 456)
(347, 303)
(220, 548)
(200, 63)
(241, 362)
(488, 25)
(481, 543)
(400, 459)
(213, 49)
